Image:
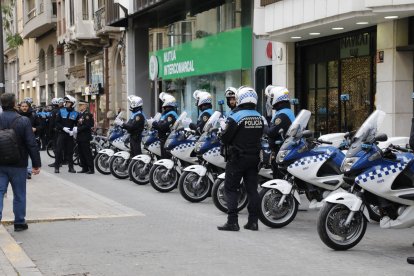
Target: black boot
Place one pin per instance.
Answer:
(51, 165)
(410, 260)
(229, 227)
(71, 169)
(251, 226)
(57, 170)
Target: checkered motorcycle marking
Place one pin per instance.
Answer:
(213, 151)
(309, 160)
(372, 175)
(185, 146)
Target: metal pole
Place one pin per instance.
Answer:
(2, 78)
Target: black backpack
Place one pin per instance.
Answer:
(9, 145)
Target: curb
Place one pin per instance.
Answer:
(18, 259)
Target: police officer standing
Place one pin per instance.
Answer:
(83, 132)
(135, 124)
(281, 120)
(242, 133)
(168, 117)
(57, 104)
(66, 120)
(203, 102)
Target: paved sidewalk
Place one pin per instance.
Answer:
(50, 198)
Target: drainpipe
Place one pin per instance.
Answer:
(106, 65)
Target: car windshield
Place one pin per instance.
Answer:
(367, 132)
(212, 121)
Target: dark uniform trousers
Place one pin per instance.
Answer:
(64, 149)
(135, 143)
(85, 155)
(236, 170)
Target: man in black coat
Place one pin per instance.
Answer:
(83, 133)
(15, 174)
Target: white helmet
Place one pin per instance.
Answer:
(267, 90)
(60, 100)
(246, 95)
(230, 92)
(71, 99)
(202, 97)
(278, 94)
(134, 101)
(55, 101)
(168, 100)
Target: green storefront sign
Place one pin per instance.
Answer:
(231, 50)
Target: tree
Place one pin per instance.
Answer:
(13, 38)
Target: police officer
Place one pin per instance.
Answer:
(66, 120)
(135, 124)
(203, 102)
(231, 98)
(57, 104)
(282, 119)
(242, 134)
(168, 117)
(83, 132)
(43, 116)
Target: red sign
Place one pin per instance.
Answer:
(269, 50)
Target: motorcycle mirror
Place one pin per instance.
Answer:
(381, 137)
(307, 134)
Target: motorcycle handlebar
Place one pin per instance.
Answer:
(400, 148)
(324, 142)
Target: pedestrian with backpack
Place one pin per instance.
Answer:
(17, 142)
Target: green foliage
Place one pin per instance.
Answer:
(13, 39)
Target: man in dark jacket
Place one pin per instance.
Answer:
(26, 111)
(16, 173)
(135, 124)
(241, 135)
(83, 134)
(168, 117)
(204, 104)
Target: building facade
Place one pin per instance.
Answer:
(328, 49)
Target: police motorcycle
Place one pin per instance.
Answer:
(165, 173)
(265, 173)
(118, 140)
(380, 177)
(308, 167)
(196, 181)
(140, 165)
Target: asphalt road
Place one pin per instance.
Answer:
(175, 237)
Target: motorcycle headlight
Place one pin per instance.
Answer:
(348, 163)
(281, 155)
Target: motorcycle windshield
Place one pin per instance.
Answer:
(212, 122)
(366, 133)
(179, 122)
(157, 117)
(296, 129)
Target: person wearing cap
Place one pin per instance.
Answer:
(66, 120)
(83, 132)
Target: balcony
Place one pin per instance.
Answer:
(100, 22)
(140, 5)
(40, 19)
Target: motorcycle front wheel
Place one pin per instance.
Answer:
(138, 172)
(273, 215)
(192, 189)
(119, 167)
(333, 231)
(220, 199)
(101, 163)
(162, 180)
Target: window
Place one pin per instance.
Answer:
(50, 57)
(159, 41)
(85, 9)
(41, 61)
